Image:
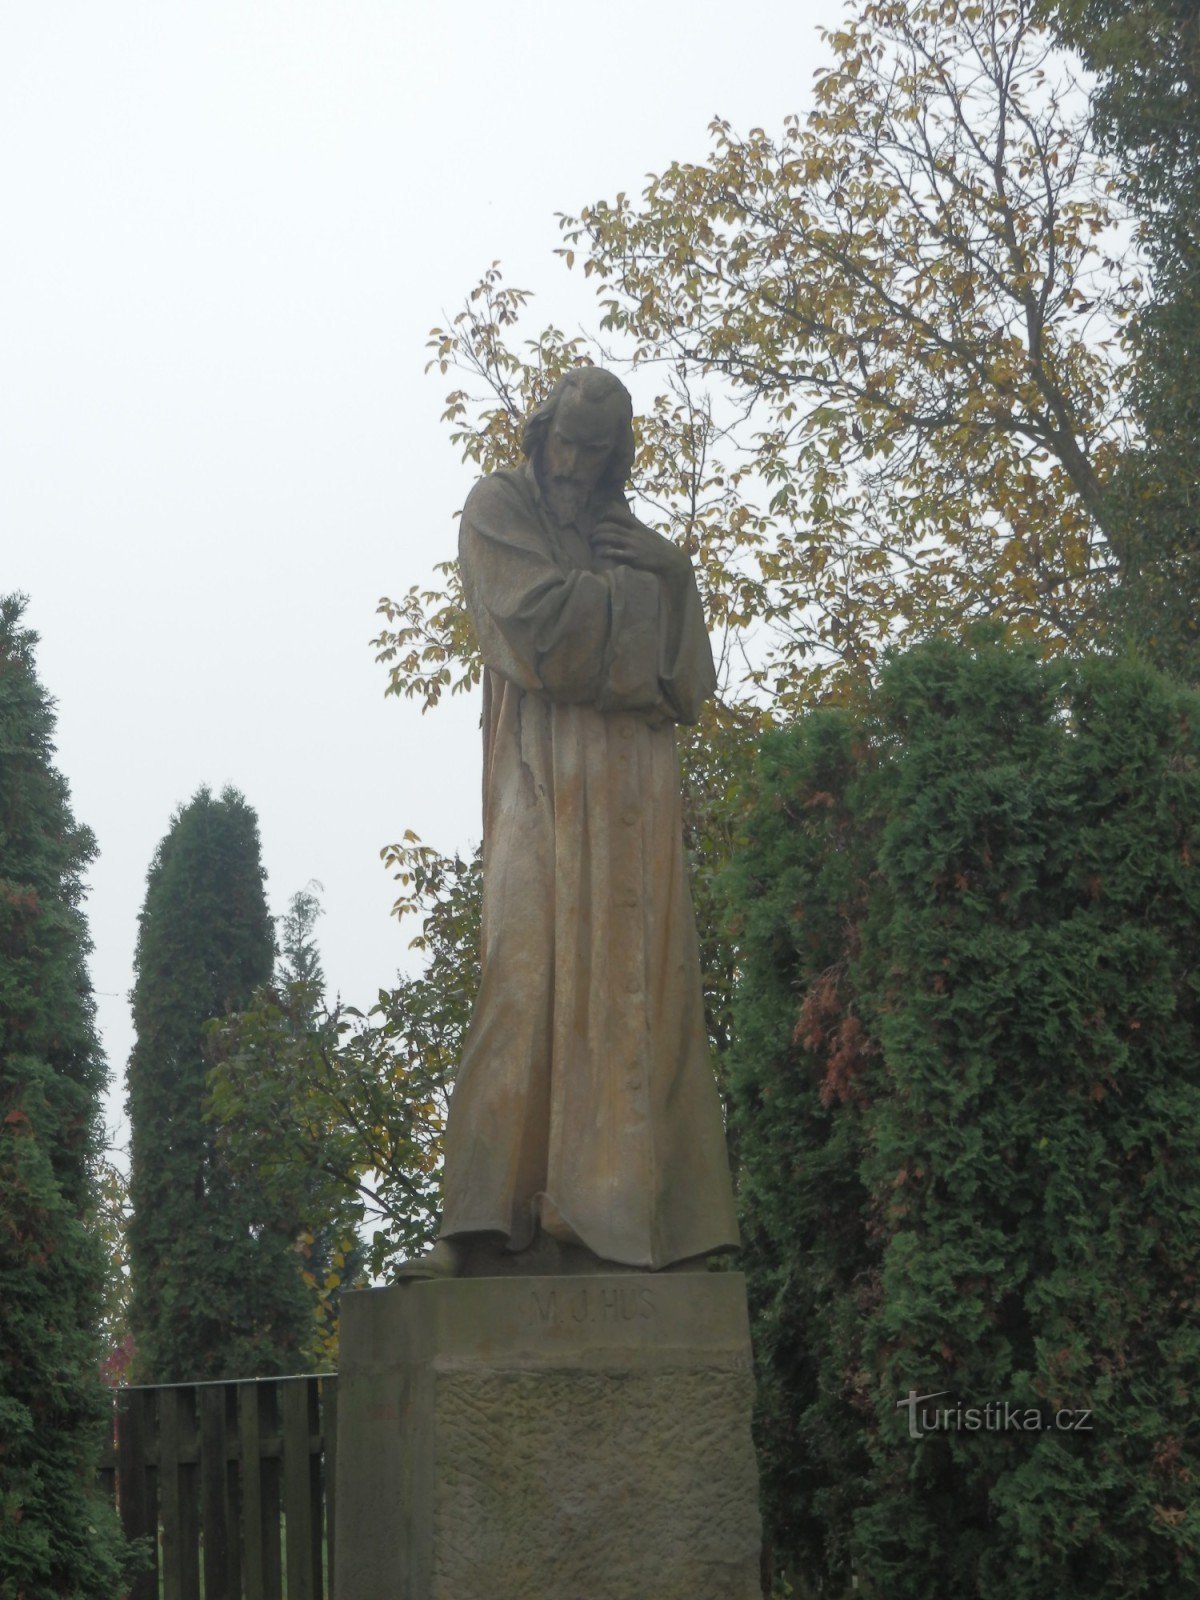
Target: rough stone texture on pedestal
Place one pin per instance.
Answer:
(549, 1439)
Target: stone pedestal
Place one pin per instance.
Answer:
(556, 1438)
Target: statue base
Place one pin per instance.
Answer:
(547, 1438)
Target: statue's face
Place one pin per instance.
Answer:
(578, 444)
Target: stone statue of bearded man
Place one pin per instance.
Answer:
(585, 1124)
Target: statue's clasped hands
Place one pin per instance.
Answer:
(621, 537)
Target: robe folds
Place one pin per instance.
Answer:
(585, 1100)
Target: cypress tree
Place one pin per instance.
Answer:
(968, 1090)
(216, 1289)
(56, 1538)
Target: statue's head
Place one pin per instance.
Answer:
(584, 428)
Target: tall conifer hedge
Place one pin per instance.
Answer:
(56, 1536)
(967, 1084)
(216, 1286)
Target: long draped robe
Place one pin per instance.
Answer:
(585, 1098)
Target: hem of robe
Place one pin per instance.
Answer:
(518, 1238)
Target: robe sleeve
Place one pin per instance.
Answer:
(618, 638)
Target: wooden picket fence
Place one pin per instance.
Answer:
(231, 1485)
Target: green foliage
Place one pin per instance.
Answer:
(270, 1063)
(967, 1079)
(216, 1289)
(267, 1137)
(56, 1536)
(341, 1116)
(1147, 53)
(717, 760)
(1147, 105)
(329, 1244)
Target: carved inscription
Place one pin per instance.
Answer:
(559, 1310)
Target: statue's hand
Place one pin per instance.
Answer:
(620, 537)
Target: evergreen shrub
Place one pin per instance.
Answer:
(57, 1537)
(967, 1089)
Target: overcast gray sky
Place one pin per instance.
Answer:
(228, 228)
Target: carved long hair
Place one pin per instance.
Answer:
(595, 386)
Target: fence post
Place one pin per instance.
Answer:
(329, 1440)
(272, 1478)
(297, 1490)
(253, 1527)
(139, 1506)
(177, 1455)
(218, 1509)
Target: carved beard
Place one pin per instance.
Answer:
(565, 499)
